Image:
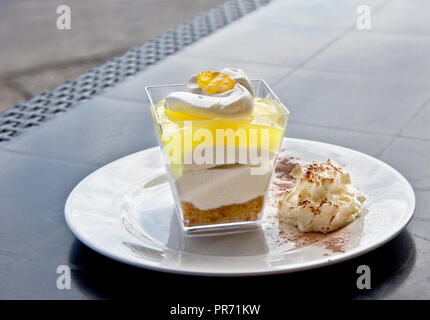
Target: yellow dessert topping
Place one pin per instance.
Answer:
(265, 120)
(213, 82)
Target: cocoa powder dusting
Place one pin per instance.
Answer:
(282, 181)
(287, 236)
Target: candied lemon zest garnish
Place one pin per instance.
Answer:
(213, 82)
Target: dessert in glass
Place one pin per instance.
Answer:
(220, 135)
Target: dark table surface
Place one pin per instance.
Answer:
(368, 90)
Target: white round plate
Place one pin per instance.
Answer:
(125, 210)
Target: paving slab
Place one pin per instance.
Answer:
(351, 101)
(387, 55)
(418, 126)
(90, 271)
(32, 195)
(96, 132)
(422, 209)
(371, 144)
(337, 14)
(406, 17)
(37, 280)
(411, 157)
(410, 280)
(280, 46)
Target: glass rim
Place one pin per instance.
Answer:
(284, 110)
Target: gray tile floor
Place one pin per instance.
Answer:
(100, 130)
(351, 101)
(417, 127)
(337, 14)
(367, 90)
(395, 55)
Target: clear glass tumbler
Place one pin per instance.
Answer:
(220, 168)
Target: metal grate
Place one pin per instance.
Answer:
(49, 104)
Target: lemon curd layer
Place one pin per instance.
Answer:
(181, 132)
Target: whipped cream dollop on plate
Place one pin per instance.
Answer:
(227, 93)
(323, 199)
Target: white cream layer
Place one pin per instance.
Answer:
(221, 186)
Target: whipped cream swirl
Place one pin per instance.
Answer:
(234, 102)
(323, 199)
